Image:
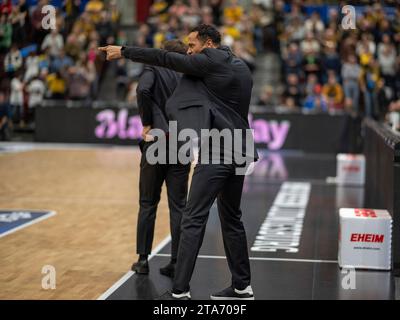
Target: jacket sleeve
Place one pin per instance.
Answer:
(144, 96)
(195, 65)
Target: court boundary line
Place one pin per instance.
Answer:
(130, 273)
(33, 146)
(259, 258)
(49, 214)
(155, 253)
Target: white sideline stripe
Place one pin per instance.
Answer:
(31, 146)
(130, 273)
(258, 258)
(44, 217)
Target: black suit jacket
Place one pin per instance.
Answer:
(214, 92)
(156, 85)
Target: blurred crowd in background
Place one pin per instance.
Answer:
(328, 68)
(60, 63)
(323, 67)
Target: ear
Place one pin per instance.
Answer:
(209, 44)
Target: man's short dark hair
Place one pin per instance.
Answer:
(175, 46)
(206, 31)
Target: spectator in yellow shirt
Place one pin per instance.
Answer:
(233, 11)
(333, 92)
(56, 85)
(94, 7)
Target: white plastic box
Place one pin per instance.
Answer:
(365, 239)
(350, 169)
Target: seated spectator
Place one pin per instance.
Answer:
(330, 38)
(312, 81)
(192, 18)
(293, 60)
(206, 15)
(178, 9)
(316, 101)
(348, 46)
(295, 30)
(290, 104)
(230, 29)
(294, 89)
(294, 15)
(60, 62)
(333, 92)
(13, 60)
(80, 34)
(365, 49)
(72, 46)
(233, 11)
(310, 44)
(55, 42)
(5, 33)
(93, 52)
(78, 83)
(266, 97)
(314, 24)
(56, 85)
(384, 29)
(44, 61)
(330, 62)
(159, 11)
(83, 25)
(94, 8)
(312, 64)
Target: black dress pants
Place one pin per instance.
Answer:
(211, 181)
(152, 177)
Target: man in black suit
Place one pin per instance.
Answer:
(215, 93)
(156, 84)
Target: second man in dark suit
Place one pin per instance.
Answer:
(155, 86)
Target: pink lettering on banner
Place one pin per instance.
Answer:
(119, 124)
(272, 133)
(112, 125)
(135, 128)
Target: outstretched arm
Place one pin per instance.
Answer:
(197, 65)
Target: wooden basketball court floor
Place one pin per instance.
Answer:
(91, 239)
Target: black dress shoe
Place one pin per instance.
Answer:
(168, 270)
(141, 267)
(172, 296)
